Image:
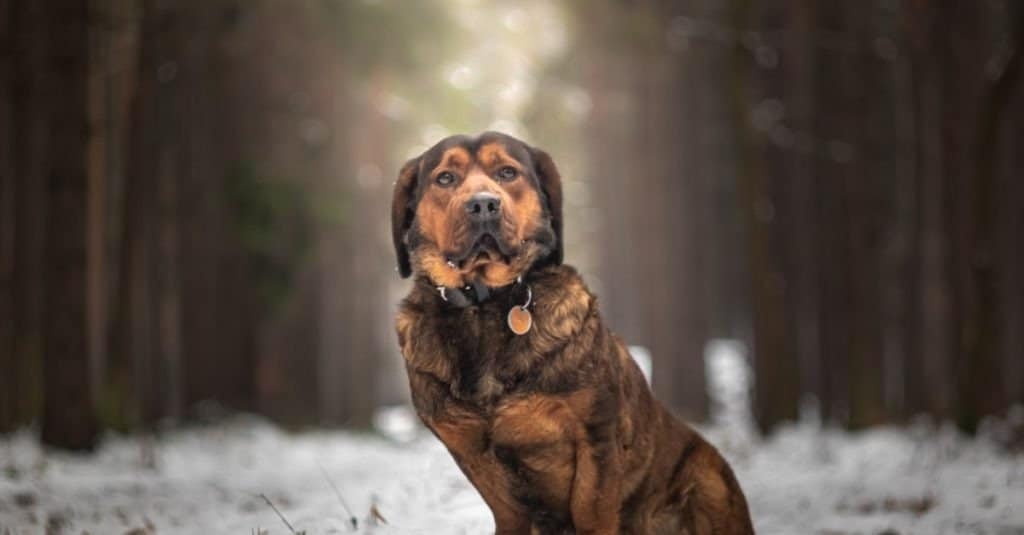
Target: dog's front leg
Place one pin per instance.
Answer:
(464, 439)
(465, 433)
(484, 474)
(596, 486)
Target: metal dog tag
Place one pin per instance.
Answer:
(520, 320)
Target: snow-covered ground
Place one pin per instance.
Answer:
(804, 479)
(209, 480)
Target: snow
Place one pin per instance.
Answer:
(804, 479)
(808, 480)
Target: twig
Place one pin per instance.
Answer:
(376, 516)
(351, 517)
(283, 519)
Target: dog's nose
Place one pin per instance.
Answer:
(483, 206)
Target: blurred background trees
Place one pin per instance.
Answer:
(194, 196)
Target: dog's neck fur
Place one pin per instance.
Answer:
(472, 350)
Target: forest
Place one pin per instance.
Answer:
(194, 197)
(195, 236)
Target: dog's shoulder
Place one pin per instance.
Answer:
(563, 308)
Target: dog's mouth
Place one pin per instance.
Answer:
(486, 248)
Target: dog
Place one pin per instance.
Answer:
(511, 367)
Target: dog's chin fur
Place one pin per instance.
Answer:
(429, 261)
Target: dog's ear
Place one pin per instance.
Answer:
(551, 185)
(402, 213)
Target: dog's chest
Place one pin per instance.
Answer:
(487, 360)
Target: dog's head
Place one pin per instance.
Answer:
(477, 209)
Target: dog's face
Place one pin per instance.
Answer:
(483, 208)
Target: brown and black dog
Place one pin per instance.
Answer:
(511, 367)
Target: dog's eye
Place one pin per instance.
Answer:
(445, 178)
(507, 173)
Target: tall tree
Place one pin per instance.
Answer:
(776, 369)
(980, 386)
(8, 419)
(68, 415)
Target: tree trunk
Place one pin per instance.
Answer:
(929, 373)
(68, 416)
(776, 370)
(981, 388)
(798, 62)
(8, 418)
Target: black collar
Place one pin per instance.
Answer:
(473, 294)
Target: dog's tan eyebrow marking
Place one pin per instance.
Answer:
(493, 154)
(455, 157)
